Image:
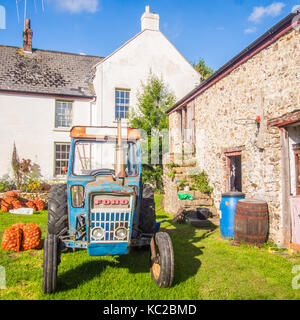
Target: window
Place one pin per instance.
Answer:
(62, 152)
(234, 167)
(91, 157)
(63, 114)
(122, 103)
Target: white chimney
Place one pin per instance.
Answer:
(150, 21)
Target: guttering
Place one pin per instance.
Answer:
(42, 94)
(265, 40)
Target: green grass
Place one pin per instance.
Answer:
(206, 267)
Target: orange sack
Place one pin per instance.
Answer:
(31, 237)
(40, 205)
(16, 204)
(6, 204)
(11, 194)
(22, 236)
(31, 204)
(12, 239)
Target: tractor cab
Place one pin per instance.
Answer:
(104, 207)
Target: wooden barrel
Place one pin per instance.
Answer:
(251, 222)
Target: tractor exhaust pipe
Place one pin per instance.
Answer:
(120, 159)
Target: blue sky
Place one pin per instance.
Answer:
(214, 30)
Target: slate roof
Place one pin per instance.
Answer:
(47, 72)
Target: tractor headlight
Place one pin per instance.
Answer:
(98, 233)
(121, 234)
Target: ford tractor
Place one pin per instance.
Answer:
(104, 207)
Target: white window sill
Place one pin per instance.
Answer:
(62, 129)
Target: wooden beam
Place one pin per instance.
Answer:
(288, 118)
(286, 192)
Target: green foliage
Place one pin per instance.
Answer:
(203, 69)
(201, 183)
(6, 184)
(182, 184)
(150, 116)
(172, 165)
(172, 174)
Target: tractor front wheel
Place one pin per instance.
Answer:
(162, 260)
(51, 262)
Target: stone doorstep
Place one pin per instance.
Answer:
(198, 203)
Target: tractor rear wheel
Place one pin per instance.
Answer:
(147, 212)
(162, 260)
(58, 210)
(51, 262)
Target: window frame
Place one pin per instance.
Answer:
(122, 105)
(113, 139)
(296, 150)
(67, 128)
(55, 159)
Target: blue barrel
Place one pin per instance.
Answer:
(227, 206)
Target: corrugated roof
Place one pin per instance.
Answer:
(46, 72)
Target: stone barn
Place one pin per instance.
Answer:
(242, 127)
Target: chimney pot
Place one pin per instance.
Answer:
(27, 37)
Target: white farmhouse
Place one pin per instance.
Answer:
(44, 93)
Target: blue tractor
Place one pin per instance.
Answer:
(104, 207)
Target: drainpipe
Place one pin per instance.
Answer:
(93, 102)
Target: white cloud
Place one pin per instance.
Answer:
(273, 10)
(250, 30)
(77, 6)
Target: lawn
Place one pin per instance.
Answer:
(206, 267)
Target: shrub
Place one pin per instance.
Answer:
(6, 185)
(201, 183)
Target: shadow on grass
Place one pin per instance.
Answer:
(83, 273)
(187, 250)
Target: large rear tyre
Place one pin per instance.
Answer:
(51, 262)
(58, 210)
(162, 260)
(147, 212)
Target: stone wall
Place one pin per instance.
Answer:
(267, 85)
(171, 201)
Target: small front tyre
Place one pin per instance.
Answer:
(162, 260)
(51, 262)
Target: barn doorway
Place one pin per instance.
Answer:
(234, 171)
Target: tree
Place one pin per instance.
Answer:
(203, 69)
(150, 116)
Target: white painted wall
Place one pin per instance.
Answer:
(29, 121)
(131, 64)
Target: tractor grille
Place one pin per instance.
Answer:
(110, 221)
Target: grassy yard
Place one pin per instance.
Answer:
(206, 267)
